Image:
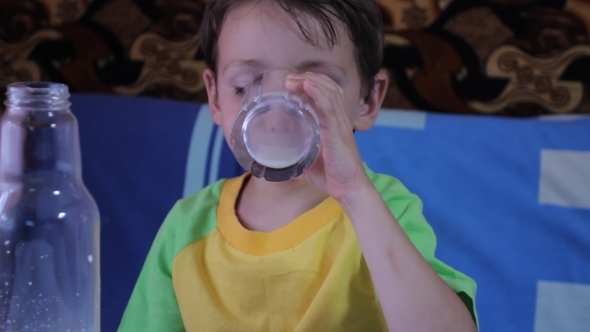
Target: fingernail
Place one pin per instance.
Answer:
(295, 78)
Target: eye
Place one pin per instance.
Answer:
(239, 91)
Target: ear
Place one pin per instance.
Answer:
(369, 108)
(212, 95)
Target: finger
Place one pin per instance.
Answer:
(295, 83)
(330, 106)
(321, 80)
(333, 91)
(321, 95)
(328, 98)
(323, 100)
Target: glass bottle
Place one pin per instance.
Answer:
(49, 223)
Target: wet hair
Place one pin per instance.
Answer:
(361, 17)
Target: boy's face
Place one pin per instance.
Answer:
(258, 36)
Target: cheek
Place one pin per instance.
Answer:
(229, 105)
(229, 110)
(352, 105)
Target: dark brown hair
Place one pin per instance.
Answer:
(362, 17)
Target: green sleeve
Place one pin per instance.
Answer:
(153, 305)
(407, 208)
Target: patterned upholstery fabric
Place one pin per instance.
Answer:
(503, 57)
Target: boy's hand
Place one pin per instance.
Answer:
(338, 170)
(404, 282)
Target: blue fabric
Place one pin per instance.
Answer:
(134, 153)
(479, 180)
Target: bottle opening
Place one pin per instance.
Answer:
(37, 96)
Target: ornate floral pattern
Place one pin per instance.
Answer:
(415, 17)
(514, 58)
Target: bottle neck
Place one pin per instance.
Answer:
(37, 96)
(38, 133)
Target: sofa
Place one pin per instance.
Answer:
(509, 199)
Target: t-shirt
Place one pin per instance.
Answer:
(206, 272)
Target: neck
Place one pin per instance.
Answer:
(267, 206)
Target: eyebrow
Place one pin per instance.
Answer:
(304, 66)
(248, 63)
(309, 65)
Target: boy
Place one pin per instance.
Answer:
(337, 249)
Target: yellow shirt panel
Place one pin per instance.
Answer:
(320, 283)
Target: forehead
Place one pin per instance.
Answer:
(263, 34)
